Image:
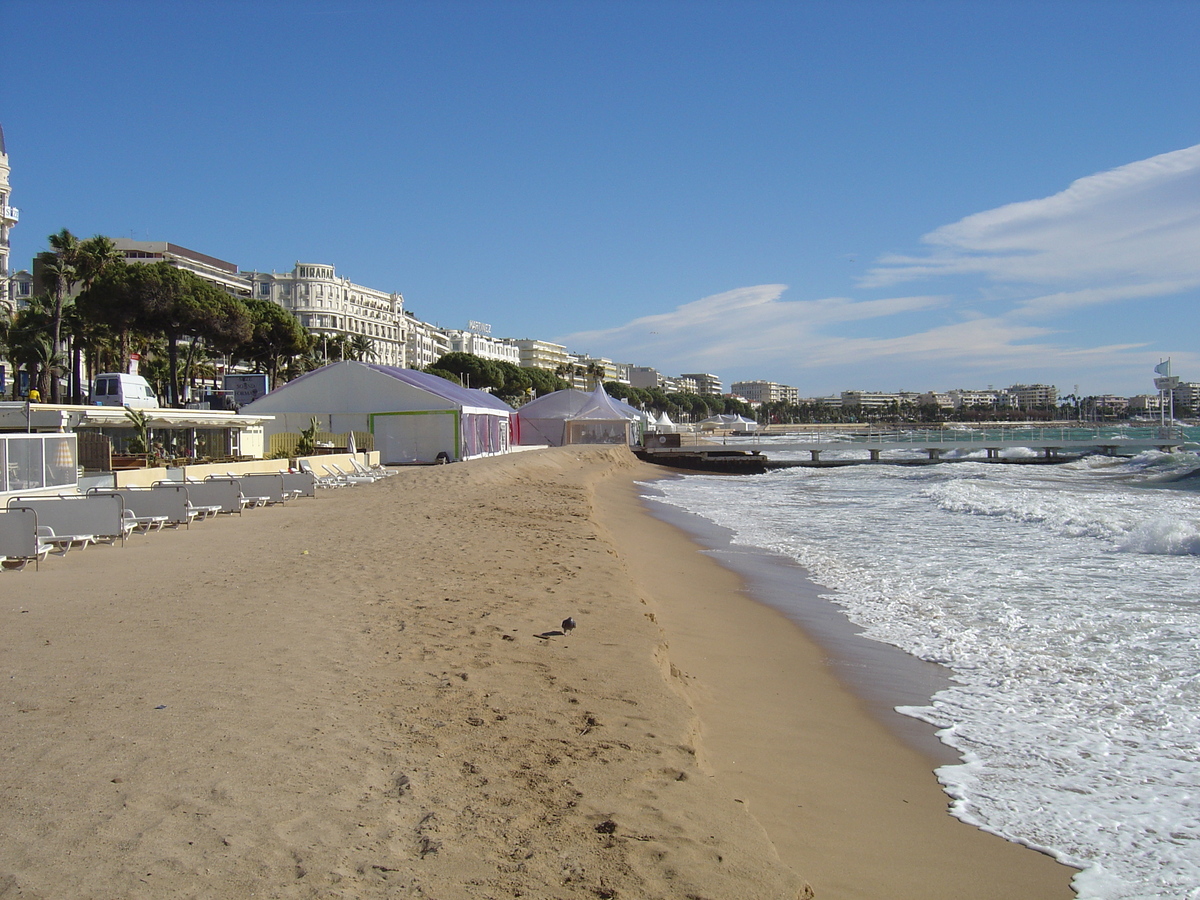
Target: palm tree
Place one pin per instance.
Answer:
(595, 374)
(29, 328)
(361, 348)
(60, 268)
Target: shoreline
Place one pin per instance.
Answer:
(368, 695)
(880, 675)
(852, 807)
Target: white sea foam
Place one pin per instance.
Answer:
(1066, 602)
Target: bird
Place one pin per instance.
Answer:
(567, 624)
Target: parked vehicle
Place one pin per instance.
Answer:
(119, 389)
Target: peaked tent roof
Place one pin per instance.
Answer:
(728, 420)
(573, 404)
(600, 407)
(349, 382)
(447, 390)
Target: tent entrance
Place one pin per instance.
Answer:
(416, 436)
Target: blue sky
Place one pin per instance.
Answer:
(835, 195)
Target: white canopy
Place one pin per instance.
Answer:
(729, 422)
(577, 417)
(413, 415)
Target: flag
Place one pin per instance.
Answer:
(1163, 368)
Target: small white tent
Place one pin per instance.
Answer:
(576, 417)
(663, 424)
(728, 422)
(413, 415)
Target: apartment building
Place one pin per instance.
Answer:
(537, 354)
(609, 370)
(988, 398)
(223, 274)
(484, 346)
(1147, 403)
(701, 383)
(1034, 396)
(426, 343)
(765, 392)
(1187, 394)
(648, 377)
(328, 304)
(870, 400)
(942, 401)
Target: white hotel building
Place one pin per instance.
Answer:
(329, 304)
(8, 218)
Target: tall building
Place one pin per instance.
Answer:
(9, 215)
(537, 354)
(765, 391)
(329, 305)
(485, 346)
(223, 274)
(426, 343)
(703, 383)
(1034, 396)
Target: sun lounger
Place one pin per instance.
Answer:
(62, 543)
(378, 473)
(202, 512)
(99, 517)
(143, 524)
(328, 480)
(345, 477)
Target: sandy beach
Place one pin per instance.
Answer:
(368, 695)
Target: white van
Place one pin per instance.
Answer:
(119, 389)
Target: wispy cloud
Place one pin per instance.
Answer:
(737, 327)
(1128, 232)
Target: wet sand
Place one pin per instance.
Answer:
(364, 695)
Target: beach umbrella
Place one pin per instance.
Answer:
(350, 447)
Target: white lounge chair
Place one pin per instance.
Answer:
(348, 478)
(142, 524)
(323, 481)
(336, 473)
(62, 543)
(376, 472)
(202, 512)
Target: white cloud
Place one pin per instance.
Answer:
(750, 324)
(1131, 231)
(1129, 234)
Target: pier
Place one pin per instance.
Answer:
(737, 453)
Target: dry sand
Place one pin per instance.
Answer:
(349, 697)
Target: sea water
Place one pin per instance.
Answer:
(1064, 601)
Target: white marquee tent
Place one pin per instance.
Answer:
(728, 421)
(413, 415)
(578, 417)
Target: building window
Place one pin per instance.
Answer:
(264, 289)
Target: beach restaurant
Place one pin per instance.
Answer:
(413, 417)
(44, 446)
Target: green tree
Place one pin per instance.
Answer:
(58, 267)
(29, 345)
(543, 381)
(277, 337)
(516, 384)
(162, 299)
(473, 371)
